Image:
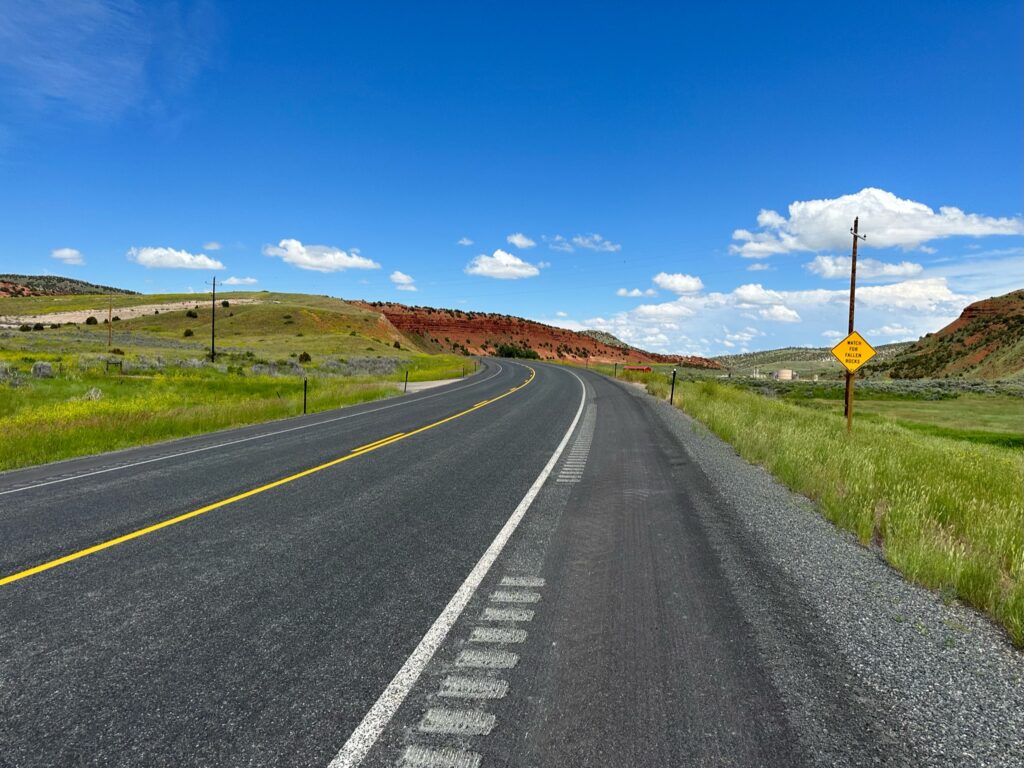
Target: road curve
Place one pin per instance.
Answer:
(532, 567)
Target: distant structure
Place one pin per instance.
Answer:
(785, 374)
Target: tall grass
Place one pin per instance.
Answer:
(946, 513)
(55, 419)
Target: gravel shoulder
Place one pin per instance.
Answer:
(945, 684)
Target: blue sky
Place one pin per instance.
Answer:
(704, 162)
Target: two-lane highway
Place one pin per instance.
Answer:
(259, 631)
(533, 567)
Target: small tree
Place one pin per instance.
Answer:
(91, 320)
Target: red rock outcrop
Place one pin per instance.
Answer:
(479, 333)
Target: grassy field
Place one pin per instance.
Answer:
(948, 513)
(991, 419)
(155, 383)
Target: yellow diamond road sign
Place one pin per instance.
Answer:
(853, 352)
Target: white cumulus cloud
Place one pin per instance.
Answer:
(868, 269)
(887, 220)
(402, 281)
(171, 258)
(635, 292)
(678, 283)
(501, 266)
(241, 281)
(780, 313)
(318, 258)
(519, 240)
(71, 256)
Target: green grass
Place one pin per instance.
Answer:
(991, 419)
(169, 391)
(947, 513)
(54, 419)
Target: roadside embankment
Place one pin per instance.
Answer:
(946, 513)
(940, 680)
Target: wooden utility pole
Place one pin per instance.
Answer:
(848, 411)
(213, 323)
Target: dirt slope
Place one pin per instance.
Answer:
(479, 333)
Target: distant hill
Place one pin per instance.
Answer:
(805, 360)
(607, 338)
(985, 342)
(481, 333)
(52, 285)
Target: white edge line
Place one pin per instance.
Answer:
(383, 710)
(242, 439)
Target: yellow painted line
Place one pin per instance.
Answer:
(69, 558)
(481, 404)
(375, 443)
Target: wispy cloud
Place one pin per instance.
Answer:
(70, 256)
(170, 258)
(519, 240)
(558, 243)
(241, 281)
(831, 267)
(213, 245)
(888, 221)
(318, 258)
(464, 241)
(501, 266)
(894, 330)
(402, 281)
(98, 58)
(595, 242)
(634, 293)
(591, 242)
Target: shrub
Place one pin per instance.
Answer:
(511, 350)
(396, 345)
(38, 327)
(192, 313)
(304, 357)
(116, 351)
(225, 303)
(116, 318)
(91, 320)
(24, 327)
(188, 332)
(55, 325)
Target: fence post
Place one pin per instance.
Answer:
(672, 394)
(406, 387)
(305, 390)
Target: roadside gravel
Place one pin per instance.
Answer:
(937, 681)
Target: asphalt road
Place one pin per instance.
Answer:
(534, 572)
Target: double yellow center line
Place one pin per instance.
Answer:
(354, 453)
